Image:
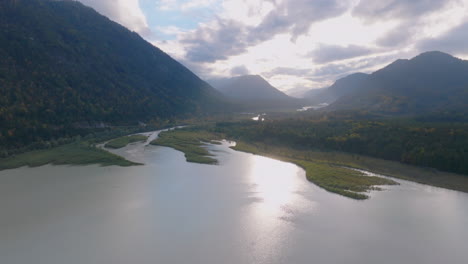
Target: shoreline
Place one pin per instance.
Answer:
(335, 172)
(392, 169)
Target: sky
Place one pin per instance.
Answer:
(296, 45)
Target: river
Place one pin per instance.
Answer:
(248, 209)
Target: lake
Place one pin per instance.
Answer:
(248, 209)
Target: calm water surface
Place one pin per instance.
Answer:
(249, 209)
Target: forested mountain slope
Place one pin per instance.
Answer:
(342, 87)
(63, 64)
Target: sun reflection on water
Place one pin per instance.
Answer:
(274, 182)
(274, 185)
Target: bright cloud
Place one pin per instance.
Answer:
(125, 12)
(295, 44)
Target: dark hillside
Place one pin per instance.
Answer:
(63, 64)
(432, 82)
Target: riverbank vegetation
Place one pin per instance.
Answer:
(72, 150)
(124, 141)
(331, 175)
(438, 145)
(328, 146)
(365, 142)
(91, 135)
(191, 142)
(78, 153)
(332, 170)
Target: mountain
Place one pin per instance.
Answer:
(428, 83)
(254, 92)
(313, 93)
(249, 88)
(342, 87)
(63, 64)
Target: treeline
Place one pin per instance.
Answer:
(443, 146)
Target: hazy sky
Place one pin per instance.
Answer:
(294, 44)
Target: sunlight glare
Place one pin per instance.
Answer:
(274, 181)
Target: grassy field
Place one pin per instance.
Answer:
(124, 141)
(73, 154)
(330, 176)
(190, 142)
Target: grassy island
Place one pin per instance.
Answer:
(190, 142)
(124, 141)
(79, 153)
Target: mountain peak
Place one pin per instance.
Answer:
(340, 88)
(430, 60)
(428, 82)
(434, 56)
(251, 87)
(249, 78)
(434, 53)
(253, 90)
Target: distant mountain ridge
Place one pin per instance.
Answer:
(342, 87)
(430, 82)
(253, 91)
(63, 63)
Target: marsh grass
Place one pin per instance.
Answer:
(331, 176)
(79, 153)
(191, 143)
(124, 141)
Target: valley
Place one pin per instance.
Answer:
(255, 132)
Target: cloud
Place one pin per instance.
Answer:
(288, 71)
(201, 70)
(239, 70)
(296, 17)
(229, 37)
(171, 30)
(331, 53)
(411, 17)
(166, 4)
(400, 35)
(124, 12)
(209, 44)
(454, 41)
(334, 71)
(373, 10)
(197, 4)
